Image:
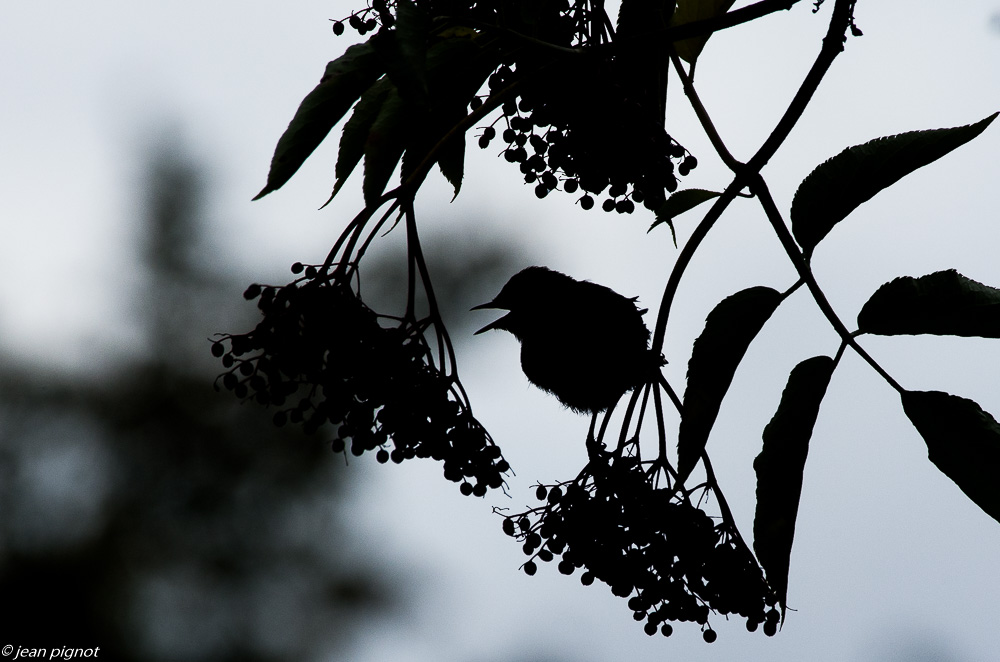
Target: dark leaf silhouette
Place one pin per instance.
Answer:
(385, 145)
(838, 186)
(356, 129)
(689, 11)
(942, 303)
(729, 330)
(963, 441)
(346, 78)
(779, 468)
(678, 203)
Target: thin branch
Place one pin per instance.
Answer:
(759, 187)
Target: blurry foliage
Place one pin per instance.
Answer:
(148, 515)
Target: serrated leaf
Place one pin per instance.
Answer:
(729, 329)
(689, 11)
(384, 145)
(456, 70)
(355, 133)
(780, 465)
(963, 441)
(346, 78)
(678, 203)
(837, 187)
(942, 303)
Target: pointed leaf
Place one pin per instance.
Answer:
(456, 69)
(680, 202)
(451, 160)
(384, 146)
(729, 329)
(837, 187)
(356, 129)
(963, 441)
(689, 11)
(780, 465)
(346, 78)
(942, 303)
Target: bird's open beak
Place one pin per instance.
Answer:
(498, 324)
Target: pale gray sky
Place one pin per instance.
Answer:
(888, 552)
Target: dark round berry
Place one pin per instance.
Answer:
(667, 629)
(709, 636)
(509, 135)
(338, 28)
(297, 268)
(624, 206)
(770, 628)
(540, 493)
(608, 205)
(752, 625)
(566, 568)
(571, 185)
(541, 191)
(465, 488)
(355, 22)
(252, 292)
(587, 202)
(489, 132)
(218, 349)
(479, 490)
(338, 445)
(476, 103)
(529, 177)
(530, 568)
(484, 142)
(508, 526)
(587, 578)
(649, 628)
(382, 456)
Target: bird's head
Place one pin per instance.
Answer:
(527, 295)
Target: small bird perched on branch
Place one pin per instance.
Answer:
(584, 343)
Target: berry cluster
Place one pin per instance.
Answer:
(650, 545)
(582, 130)
(320, 355)
(366, 20)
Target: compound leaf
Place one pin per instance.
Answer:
(780, 465)
(837, 187)
(942, 303)
(963, 441)
(345, 79)
(729, 329)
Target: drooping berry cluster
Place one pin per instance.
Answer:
(586, 135)
(650, 545)
(321, 356)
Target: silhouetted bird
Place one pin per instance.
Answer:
(584, 343)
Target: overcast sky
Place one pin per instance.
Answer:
(891, 561)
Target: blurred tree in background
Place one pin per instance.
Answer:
(148, 515)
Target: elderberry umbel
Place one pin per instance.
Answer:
(651, 545)
(321, 357)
